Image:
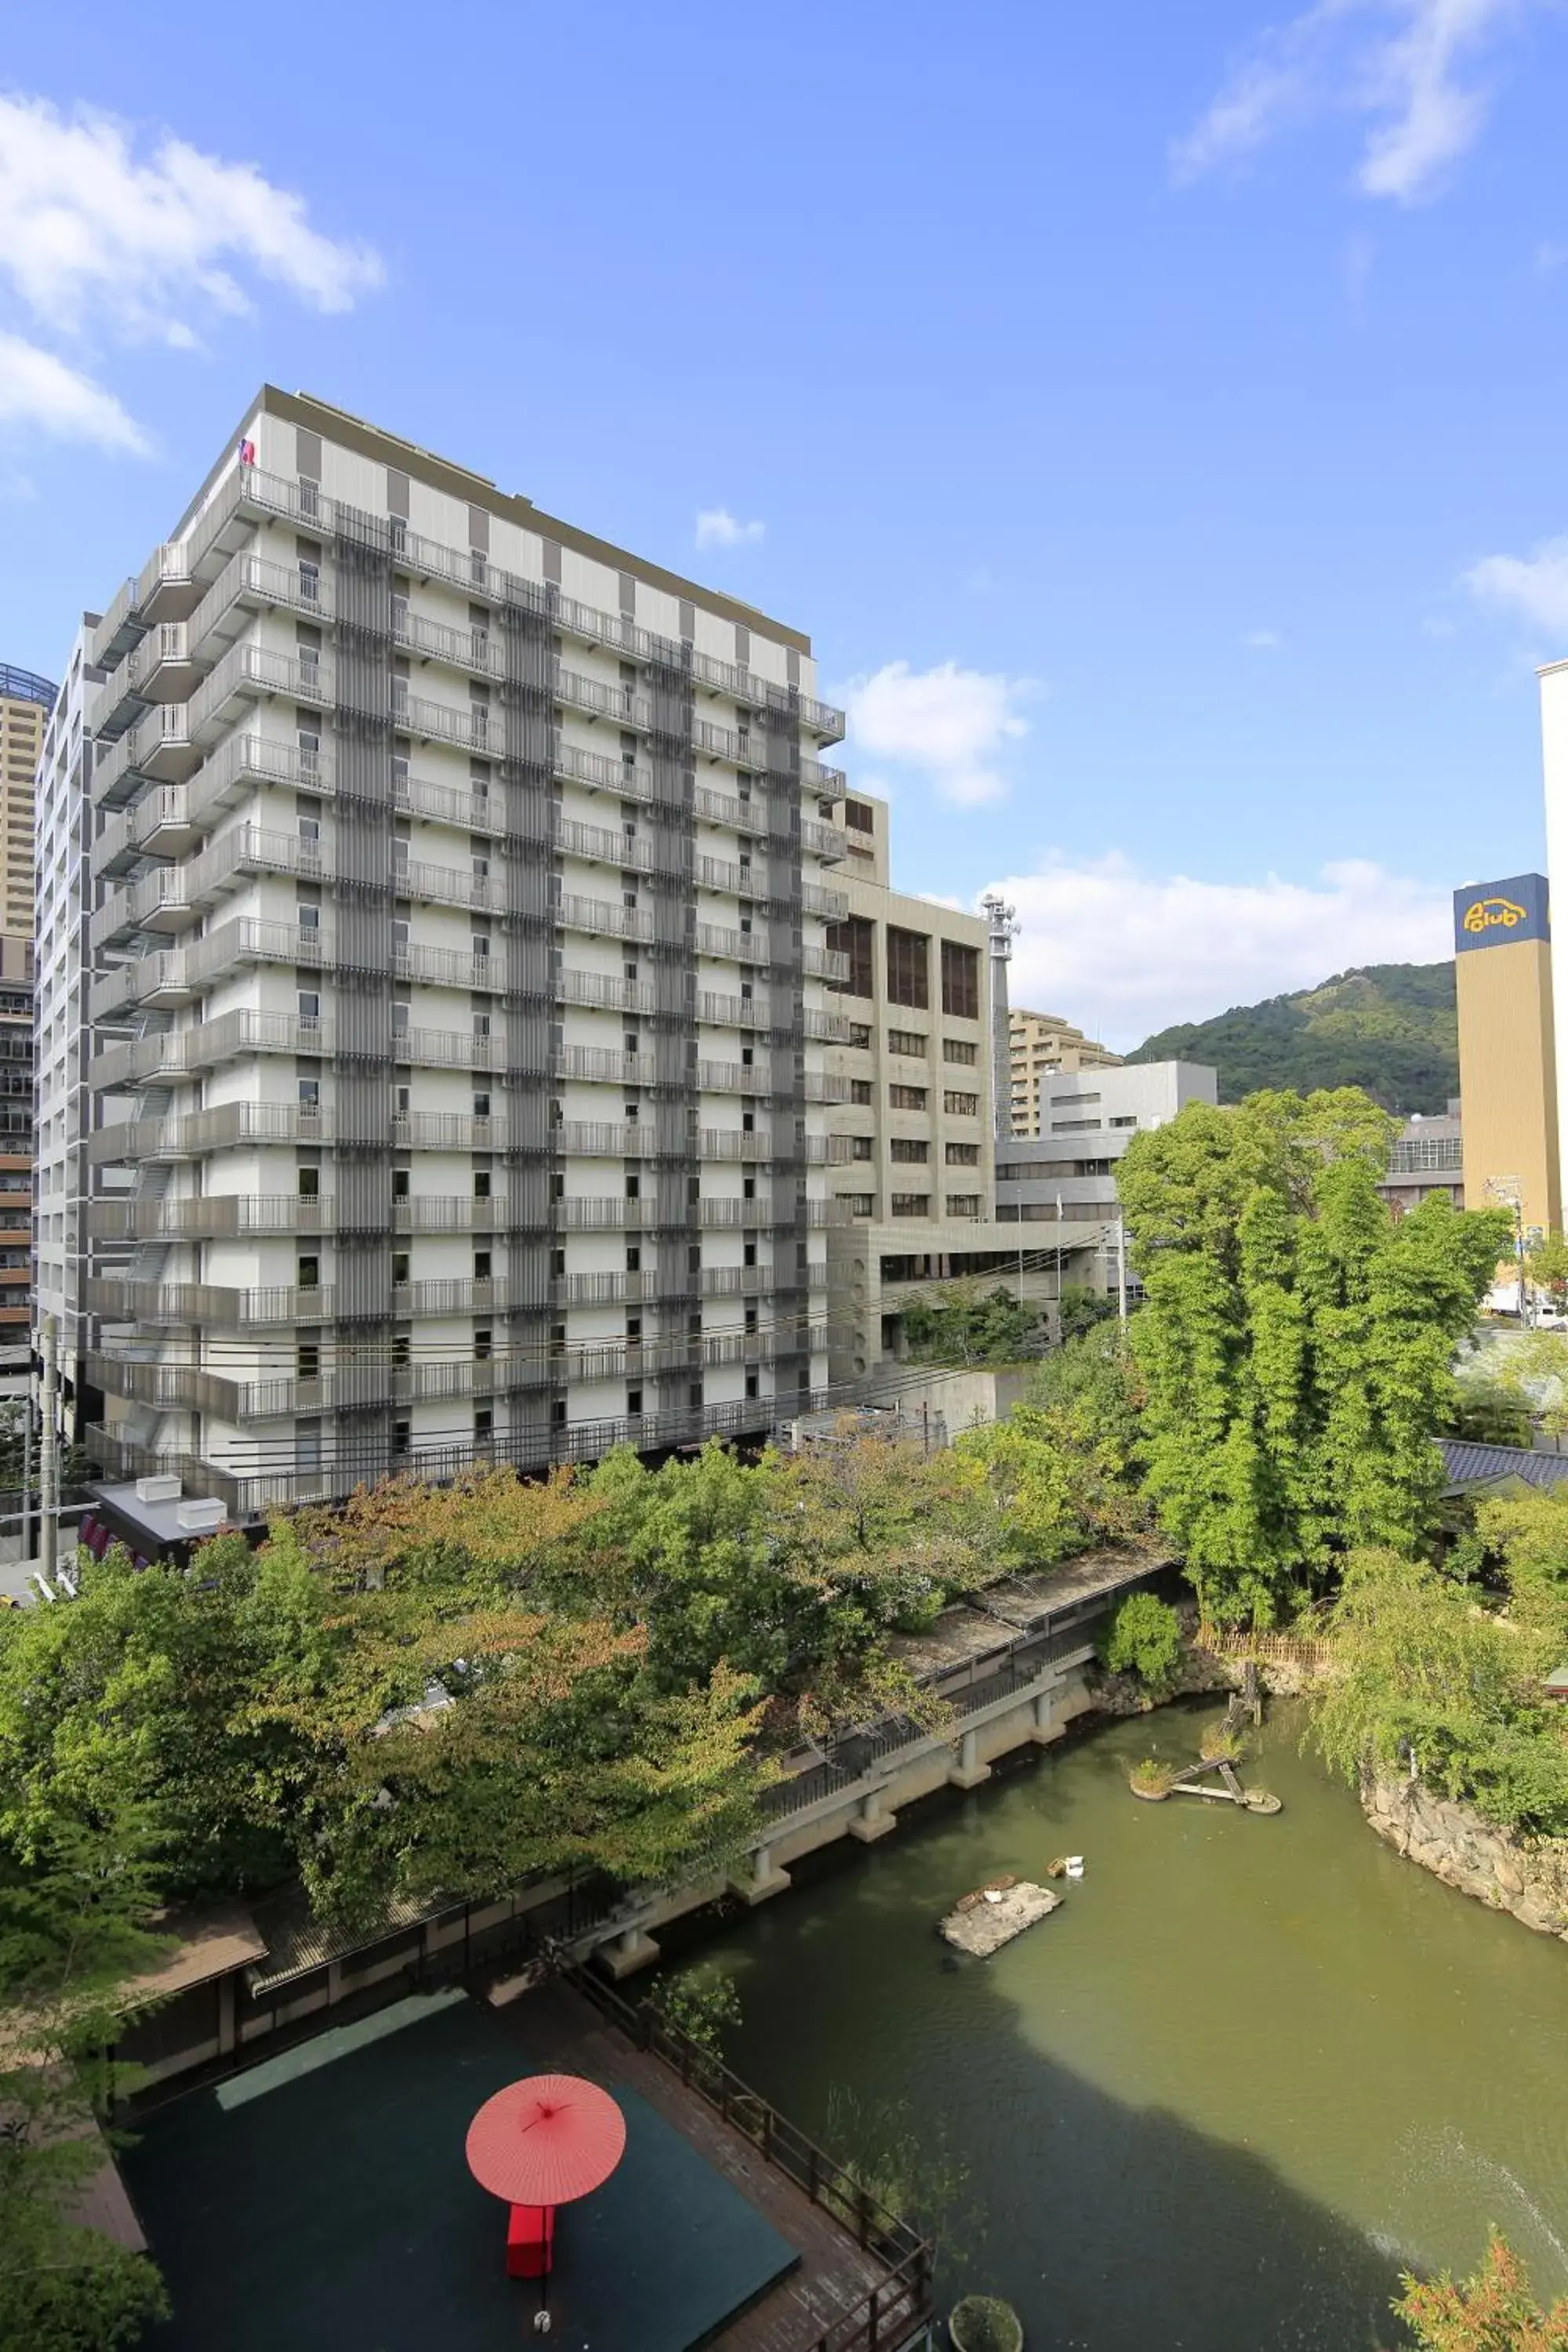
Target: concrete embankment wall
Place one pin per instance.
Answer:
(1527, 1877)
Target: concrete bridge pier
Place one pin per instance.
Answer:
(766, 1878)
(634, 1948)
(872, 1822)
(968, 1772)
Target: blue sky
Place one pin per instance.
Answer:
(1153, 413)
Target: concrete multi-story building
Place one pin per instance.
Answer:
(1042, 1046)
(1063, 1182)
(1428, 1157)
(916, 1190)
(458, 973)
(65, 1179)
(16, 1161)
(26, 702)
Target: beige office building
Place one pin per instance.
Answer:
(26, 702)
(1508, 1075)
(916, 1195)
(1043, 1047)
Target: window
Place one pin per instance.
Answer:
(907, 1097)
(484, 1346)
(1026, 1171)
(484, 1422)
(307, 1361)
(1059, 1101)
(400, 1184)
(911, 1042)
(634, 1403)
(860, 1091)
(310, 583)
(481, 1265)
(310, 1096)
(961, 1105)
(481, 1183)
(1128, 1119)
(909, 960)
(910, 1204)
(858, 818)
(308, 1274)
(860, 1034)
(959, 1049)
(959, 980)
(399, 1269)
(855, 937)
(860, 1147)
(1074, 1126)
(310, 1179)
(309, 924)
(907, 1152)
(309, 1006)
(963, 1204)
(963, 1155)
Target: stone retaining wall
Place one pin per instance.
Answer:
(1527, 1877)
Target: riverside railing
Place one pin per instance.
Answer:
(886, 2318)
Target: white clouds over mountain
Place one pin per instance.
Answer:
(1125, 952)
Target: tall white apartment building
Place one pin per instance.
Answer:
(458, 985)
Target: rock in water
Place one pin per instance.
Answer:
(987, 1927)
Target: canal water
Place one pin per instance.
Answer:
(1251, 2069)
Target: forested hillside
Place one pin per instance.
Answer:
(1390, 1028)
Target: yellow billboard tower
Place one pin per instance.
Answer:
(1508, 1070)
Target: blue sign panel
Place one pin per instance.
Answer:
(1494, 914)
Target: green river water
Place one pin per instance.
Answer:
(1251, 2069)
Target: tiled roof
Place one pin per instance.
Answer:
(1481, 1465)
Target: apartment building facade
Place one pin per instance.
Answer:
(458, 978)
(1056, 1190)
(26, 702)
(916, 1190)
(1043, 1047)
(16, 1161)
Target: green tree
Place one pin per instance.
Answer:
(966, 1328)
(1295, 1344)
(1144, 1639)
(1428, 1683)
(1080, 1308)
(1547, 1266)
(78, 1893)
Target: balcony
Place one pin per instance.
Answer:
(219, 1216)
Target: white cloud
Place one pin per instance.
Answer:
(40, 392)
(717, 527)
(101, 242)
(1124, 952)
(1263, 641)
(1395, 61)
(1535, 587)
(92, 234)
(949, 724)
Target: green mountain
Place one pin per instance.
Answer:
(1391, 1028)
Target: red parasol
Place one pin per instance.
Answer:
(546, 2140)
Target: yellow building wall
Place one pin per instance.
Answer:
(1507, 1077)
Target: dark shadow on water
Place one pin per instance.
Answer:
(1109, 2226)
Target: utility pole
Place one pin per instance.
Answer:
(1508, 1193)
(48, 1459)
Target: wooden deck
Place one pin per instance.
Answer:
(835, 2274)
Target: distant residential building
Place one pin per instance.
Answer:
(1045, 1046)
(26, 702)
(1063, 1183)
(1508, 1060)
(1428, 1158)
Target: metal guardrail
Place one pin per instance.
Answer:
(890, 2315)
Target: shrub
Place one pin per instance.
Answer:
(1145, 1639)
(1153, 1778)
(984, 2323)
